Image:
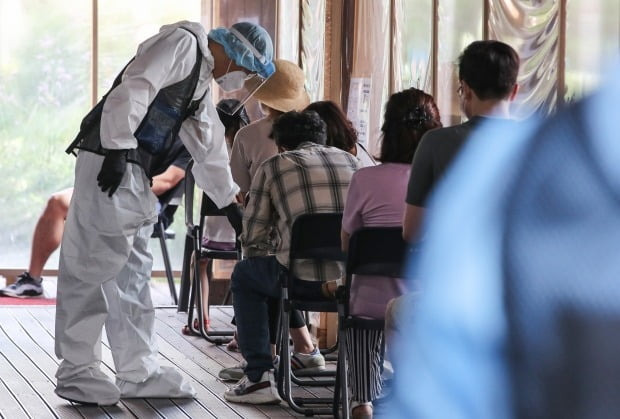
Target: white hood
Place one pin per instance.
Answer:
(195, 28)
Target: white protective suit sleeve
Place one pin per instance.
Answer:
(161, 60)
(203, 135)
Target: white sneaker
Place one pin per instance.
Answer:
(307, 364)
(167, 383)
(233, 373)
(90, 387)
(236, 373)
(262, 392)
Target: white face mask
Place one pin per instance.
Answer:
(232, 81)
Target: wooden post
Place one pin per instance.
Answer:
(435, 48)
(94, 46)
(561, 77)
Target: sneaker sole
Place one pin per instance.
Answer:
(262, 400)
(229, 377)
(308, 371)
(27, 294)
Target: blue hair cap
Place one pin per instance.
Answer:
(249, 45)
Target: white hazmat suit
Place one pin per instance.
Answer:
(104, 262)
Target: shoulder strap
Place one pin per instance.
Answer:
(192, 106)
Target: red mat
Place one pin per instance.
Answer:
(10, 301)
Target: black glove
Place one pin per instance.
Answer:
(235, 217)
(112, 171)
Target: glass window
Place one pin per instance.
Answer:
(413, 44)
(288, 30)
(592, 40)
(124, 25)
(44, 93)
(460, 23)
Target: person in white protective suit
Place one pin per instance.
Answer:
(104, 262)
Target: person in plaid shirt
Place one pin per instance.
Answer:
(305, 177)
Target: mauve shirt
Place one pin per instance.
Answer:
(376, 198)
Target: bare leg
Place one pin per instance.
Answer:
(204, 285)
(362, 411)
(302, 342)
(48, 231)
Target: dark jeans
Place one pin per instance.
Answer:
(255, 282)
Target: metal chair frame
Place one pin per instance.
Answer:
(365, 257)
(191, 286)
(316, 237)
(160, 233)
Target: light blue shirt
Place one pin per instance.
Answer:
(452, 361)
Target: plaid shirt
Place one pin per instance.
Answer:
(309, 179)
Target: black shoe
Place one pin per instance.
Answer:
(26, 286)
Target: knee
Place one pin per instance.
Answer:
(57, 206)
(239, 276)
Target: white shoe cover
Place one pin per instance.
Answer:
(90, 386)
(165, 383)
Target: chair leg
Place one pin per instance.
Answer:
(215, 337)
(186, 279)
(343, 376)
(167, 264)
(190, 308)
(228, 297)
(285, 377)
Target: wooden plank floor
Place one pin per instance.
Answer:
(28, 365)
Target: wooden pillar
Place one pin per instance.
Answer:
(561, 77)
(435, 48)
(94, 47)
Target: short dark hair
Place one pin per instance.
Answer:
(293, 128)
(340, 131)
(408, 115)
(490, 68)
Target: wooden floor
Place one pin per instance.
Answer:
(28, 365)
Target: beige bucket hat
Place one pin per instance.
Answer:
(284, 91)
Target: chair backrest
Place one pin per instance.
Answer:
(317, 236)
(377, 252)
(207, 206)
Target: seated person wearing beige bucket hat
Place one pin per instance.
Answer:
(283, 92)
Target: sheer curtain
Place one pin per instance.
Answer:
(313, 46)
(532, 27)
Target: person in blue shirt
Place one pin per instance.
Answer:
(519, 275)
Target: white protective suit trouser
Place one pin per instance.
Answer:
(103, 278)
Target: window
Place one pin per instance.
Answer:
(592, 39)
(124, 25)
(45, 63)
(460, 23)
(413, 45)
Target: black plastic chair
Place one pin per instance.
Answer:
(169, 204)
(190, 283)
(315, 237)
(376, 251)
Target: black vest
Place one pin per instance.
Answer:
(160, 126)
